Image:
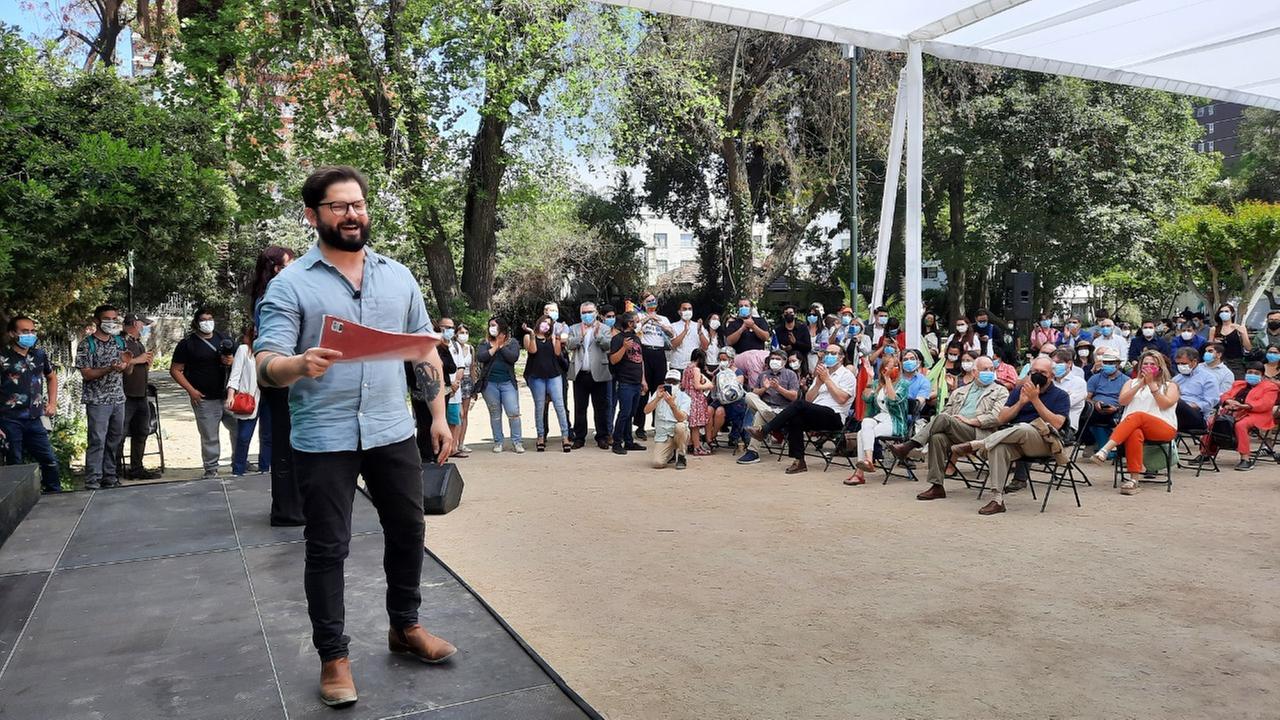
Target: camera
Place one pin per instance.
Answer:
(668, 388)
(228, 347)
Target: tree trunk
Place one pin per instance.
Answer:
(434, 244)
(738, 248)
(480, 211)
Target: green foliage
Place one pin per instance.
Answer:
(1224, 254)
(70, 438)
(1259, 170)
(89, 170)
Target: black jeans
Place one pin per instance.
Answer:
(137, 426)
(393, 474)
(1189, 418)
(800, 417)
(588, 389)
(655, 371)
(286, 501)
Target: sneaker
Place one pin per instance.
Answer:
(519, 448)
(112, 483)
(681, 462)
(209, 475)
(1015, 485)
(497, 447)
(464, 449)
(619, 450)
(1129, 487)
(640, 434)
(749, 457)
(635, 446)
(92, 485)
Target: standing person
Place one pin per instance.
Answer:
(200, 365)
(25, 371)
(747, 332)
(137, 410)
(351, 419)
(592, 378)
(422, 417)
(690, 335)
(696, 385)
(560, 330)
(243, 380)
(793, 336)
(715, 335)
(1234, 338)
(463, 359)
(274, 425)
(498, 356)
(1269, 335)
(818, 334)
(655, 336)
(542, 373)
(627, 359)
(930, 333)
(670, 407)
(103, 362)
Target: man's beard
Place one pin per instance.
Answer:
(332, 235)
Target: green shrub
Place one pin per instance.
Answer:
(70, 437)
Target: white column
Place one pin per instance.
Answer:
(915, 173)
(889, 201)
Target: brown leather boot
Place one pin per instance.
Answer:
(416, 641)
(337, 689)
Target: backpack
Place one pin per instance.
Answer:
(728, 387)
(93, 344)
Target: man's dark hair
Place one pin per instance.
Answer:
(318, 182)
(881, 309)
(1101, 314)
(1065, 355)
(981, 311)
(13, 321)
(1217, 347)
(97, 312)
(604, 309)
(1187, 352)
(195, 319)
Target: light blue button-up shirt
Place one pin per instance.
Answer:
(1200, 388)
(354, 405)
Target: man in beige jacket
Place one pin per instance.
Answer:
(970, 415)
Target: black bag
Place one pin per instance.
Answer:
(441, 488)
(1224, 432)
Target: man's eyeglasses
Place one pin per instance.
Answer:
(340, 208)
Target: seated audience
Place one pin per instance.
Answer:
(1150, 403)
(1043, 332)
(1271, 366)
(1104, 395)
(1251, 403)
(1066, 376)
(887, 407)
(1084, 361)
(1148, 340)
(1109, 337)
(918, 385)
(1038, 409)
(971, 413)
(776, 387)
(1186, 337)
(1006, 373)
(670, 407)
(727, 400)
(1214, 363)
(1199, 390)
(824, 407)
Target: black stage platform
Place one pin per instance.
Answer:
(180, 601)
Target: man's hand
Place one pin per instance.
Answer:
(749, 323)
(143, 359)
(227, 359)
(1030, 391)
(50, 409)
(316, 361)
(441, 440)
(820, 372)
(195, 395)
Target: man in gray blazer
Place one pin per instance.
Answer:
(592, 380)
(970, 414)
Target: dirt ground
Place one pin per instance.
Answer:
(726, 591)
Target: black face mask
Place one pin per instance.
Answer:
(1273, 324)
(789, 317)
(1039, 380)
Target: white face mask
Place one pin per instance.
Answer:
(206, 326)
(1082, 353)
(1184, 369)
(961, 329)
(493, 331)
(1148, 333)
(1187, 335)
(686, 315)
(795, 364)
(714, 324)
(966, 366)
(724, 363)
(775, 365)
(463, 338)
(112, 328)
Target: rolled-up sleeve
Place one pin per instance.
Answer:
(281, 320)
(418, 321)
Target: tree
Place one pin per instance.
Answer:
(91, 170)
(1259, 170)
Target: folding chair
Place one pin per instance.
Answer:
(153, 402)
(1120, 471)
(815, 443)
(887, 461)
(1057, 474)
(1267, 439)
(1189, 442)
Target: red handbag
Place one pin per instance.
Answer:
(242, 404)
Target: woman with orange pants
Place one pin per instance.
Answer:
(1150, 403)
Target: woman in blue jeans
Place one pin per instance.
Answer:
(543, 373)
(497, 357)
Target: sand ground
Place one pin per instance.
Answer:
(726, 591)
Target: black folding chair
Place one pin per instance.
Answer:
(1189, 442)
(1120, 471)
(816, 442)
(1267, 439)
(1055, 474)
(887, 461)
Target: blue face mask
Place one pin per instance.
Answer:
(447, 334)
(554, 315)
(1273, 357)
(1253, 379)
(846, 319)
(588, 318)
(1208, 357)
(1046, 323)
(855, 329)
(27, 340)
(1059, 369)
(890, 350)
(910, 365)
(892, 333)
(830, 360)
(744, 312)
(1225, 316)
(1106, 331)
(995, 362)
(1110, 369)
(986, 377)
(813, 319)
(983, 324)
(609, 322)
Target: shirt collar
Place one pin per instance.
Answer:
(314, 256)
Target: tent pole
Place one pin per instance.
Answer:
(915, 172)
(889, 200)
(854, 53)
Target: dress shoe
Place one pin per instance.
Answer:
(640, 434)
(1015, 485)
(964, 448)
(797, 467)
(756, 433)
(337, 689)
(602, 444)
(636, 447)
(935, 492)
(579, 444)
(991, 508)
(902, 450)
(416, 641)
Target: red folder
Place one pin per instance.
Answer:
(360, 343)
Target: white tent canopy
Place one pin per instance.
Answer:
(1226, 50)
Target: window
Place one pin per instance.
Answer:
(1210, 111)
(1200, 146)
(686, 240)
(662, 266)
(649, 257)
(1199, 112)
(1208, 128)
(930, 273)
(660, 240)
(1209, 146)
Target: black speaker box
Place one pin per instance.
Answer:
(1022, 298)
(441, 488)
